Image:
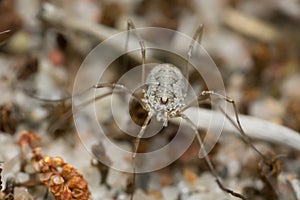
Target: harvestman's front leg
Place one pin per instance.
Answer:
(131, 26)
(197, 35)
(120, 87)
(209, 163)
(67, 115)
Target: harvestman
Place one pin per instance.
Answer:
(164, 98)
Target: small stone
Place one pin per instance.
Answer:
(19, 42)
(289, 87)
(166, 179)
(189, 176)
(22, 177)
(139, 194)
(92, 176)
(116, 179)
(201, 196)
(170, 193)
(234, 168)
(56, 57)
(268, 109)
(21, 193)
(122, 196)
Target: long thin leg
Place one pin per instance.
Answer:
(197, 35)
(32, 94)
(136, 145)
(238, 125)
(131, 26)
(210, 165)
(245, 138)
(68, 114)
(120, 87)
(195, 101)
(96, 86)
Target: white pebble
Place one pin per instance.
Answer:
(268, 109)
(170, 193)
(22, 177)
(22, 193)
(289, 87)
(234, 168)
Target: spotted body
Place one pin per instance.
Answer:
(165, 93)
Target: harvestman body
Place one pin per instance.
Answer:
(164, 96)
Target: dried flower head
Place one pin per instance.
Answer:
(62, 179)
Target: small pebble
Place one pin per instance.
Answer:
(268, 109)
(19, 42)
(22, 177)
(290, 87)
(56, 57)
(170, 193)
(189, 176)
(234, 168)
(22, 193)
(140, 195)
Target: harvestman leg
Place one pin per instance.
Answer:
(246, 139)
(131, 26)
(238, 126)
(208, 161)
(136, 145)
(96, 86)
(197, 36)
(121, 88)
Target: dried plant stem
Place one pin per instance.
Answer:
(250, 26)
(254, 127)
(60, 19)
(294, 183)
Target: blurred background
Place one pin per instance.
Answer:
(254, 43)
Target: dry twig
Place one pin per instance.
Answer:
(254, 127)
